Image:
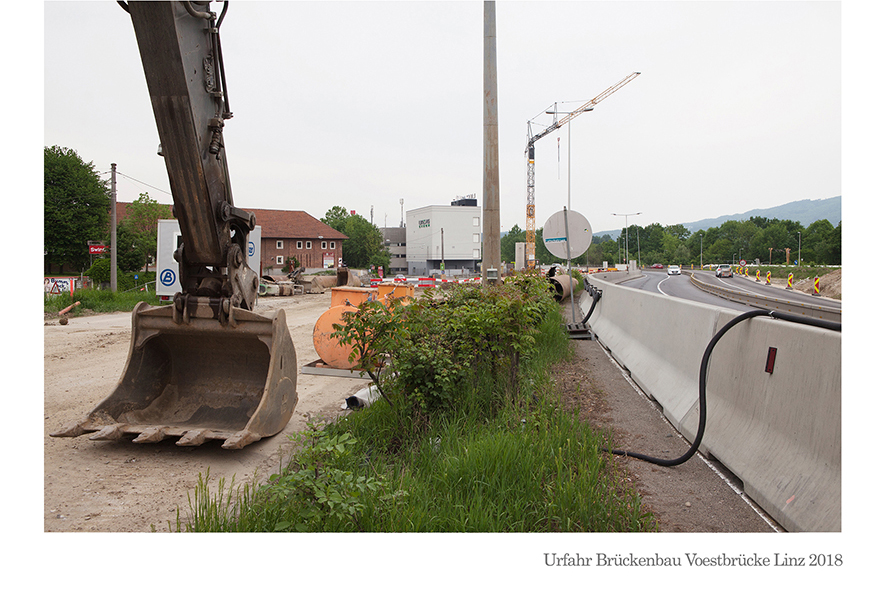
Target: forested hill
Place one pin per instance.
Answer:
(805, 211)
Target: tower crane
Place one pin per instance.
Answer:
(530, 153)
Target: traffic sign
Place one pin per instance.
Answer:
(567, 227)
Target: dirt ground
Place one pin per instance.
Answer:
(103, 486)
(692, 497)
(830, 285)
(107, 486)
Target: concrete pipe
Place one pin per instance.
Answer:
(562, 286)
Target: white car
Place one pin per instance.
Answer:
(724, 270)
(673, 270)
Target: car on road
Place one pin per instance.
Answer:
(724, 270)
(673, 270)
(658, 266)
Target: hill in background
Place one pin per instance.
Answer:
(805, 211)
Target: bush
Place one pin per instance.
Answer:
(448, 343)
(100, 272)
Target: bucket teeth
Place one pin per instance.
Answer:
(72, 430)
(241, 439)
(151, 435)
(109, 432)
(192, 438)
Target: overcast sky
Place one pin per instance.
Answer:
(360, 104)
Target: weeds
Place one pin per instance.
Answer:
(97, 301)
(471, 439)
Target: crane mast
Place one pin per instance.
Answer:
(530, 166)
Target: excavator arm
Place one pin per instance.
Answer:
(208, 367)
(181, 55)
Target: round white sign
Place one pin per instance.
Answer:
(579, 234)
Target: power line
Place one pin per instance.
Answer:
(142, 182)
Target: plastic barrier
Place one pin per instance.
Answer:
(816, 287)
(426, 282)
(790, 285)
(776, 428)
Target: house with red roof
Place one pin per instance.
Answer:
(285, 234)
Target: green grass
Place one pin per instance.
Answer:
(98, 301)
(528, 467)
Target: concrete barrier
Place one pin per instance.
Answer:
(779, 431)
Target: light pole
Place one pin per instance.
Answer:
(701, 264)
(568, 153)
(799, 259)
(626, 232)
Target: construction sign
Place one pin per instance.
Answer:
(59, 285)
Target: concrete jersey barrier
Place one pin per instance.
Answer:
(779, 431)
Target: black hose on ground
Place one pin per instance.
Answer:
(703, 377)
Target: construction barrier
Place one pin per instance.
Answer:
(790, 282)
(758, 275)
(773, 394)
(426, 282)
(816, 289)
(768, 278)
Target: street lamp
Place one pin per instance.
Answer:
(799, 259)
(626, 232)
(568, 152)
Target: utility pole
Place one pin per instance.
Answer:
(113, 227)
(442, 254)
(491, 260)
(626, 232)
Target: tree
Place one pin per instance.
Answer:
(509, 243)
(365, 243)
(130, 257)
(141, 226)
(818, 244)
(76, 206)
(336, 218)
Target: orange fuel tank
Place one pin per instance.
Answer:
(344, 299)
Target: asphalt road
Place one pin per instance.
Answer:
(679, 286)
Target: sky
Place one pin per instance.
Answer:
(362, 104)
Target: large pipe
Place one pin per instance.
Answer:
(562, 286)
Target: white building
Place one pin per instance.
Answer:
(439, 237)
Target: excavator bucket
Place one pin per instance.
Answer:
(197, 379)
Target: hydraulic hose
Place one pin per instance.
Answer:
(703, 377)
(595, 294)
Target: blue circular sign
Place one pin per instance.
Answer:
(167, 277)
(251, 248)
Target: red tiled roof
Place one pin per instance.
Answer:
(293, 224)
(275, 223)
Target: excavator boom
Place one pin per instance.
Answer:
(205, 367)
